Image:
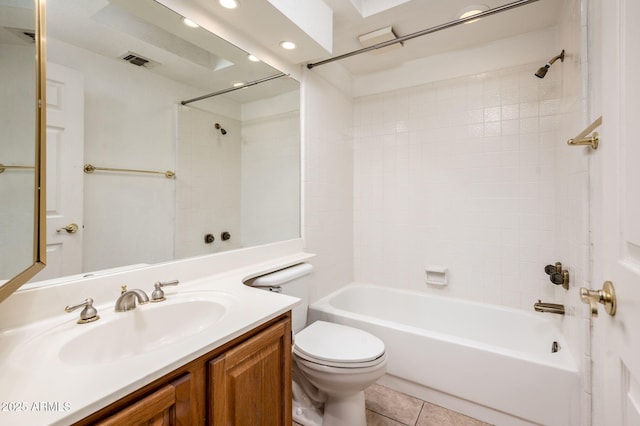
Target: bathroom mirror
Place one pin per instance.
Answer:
(22, 252)
(117, 73)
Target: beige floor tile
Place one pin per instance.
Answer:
(434, 415)
(387, 407)
(375, 419)
(392, 404)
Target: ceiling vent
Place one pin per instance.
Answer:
(138, 60)
(26, 35)
(378, 36)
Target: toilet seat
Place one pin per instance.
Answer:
(338, 345)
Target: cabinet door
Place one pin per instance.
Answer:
(168, 406)
(251, 384)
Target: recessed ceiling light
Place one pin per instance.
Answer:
(253, 58)
(289, 45)
(238, 83)
(229, 4)
(189, 23)
(471, 10)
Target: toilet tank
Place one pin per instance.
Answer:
(293, 281)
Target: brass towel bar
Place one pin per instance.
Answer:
(3, 167)
(583, 139)
(89, 168)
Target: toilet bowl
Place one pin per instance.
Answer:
(341, 362)
(333, 363)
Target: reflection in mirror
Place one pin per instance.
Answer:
(117, 72)
(18, 132)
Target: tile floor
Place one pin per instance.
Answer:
(387, 407)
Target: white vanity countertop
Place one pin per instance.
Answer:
(37, 387)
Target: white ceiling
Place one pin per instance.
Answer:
(99, 30)
(196, 57)
(416, 15)
(352, 18)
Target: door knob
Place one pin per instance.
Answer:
(72, 228)
(606, 296)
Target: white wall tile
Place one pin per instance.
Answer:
(474, 191)
(329, 183)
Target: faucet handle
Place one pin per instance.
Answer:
(561, 279)
(557, 275)
(553, 269)
(88, 314)
(158, 293)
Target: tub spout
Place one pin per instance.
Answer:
(553, 308)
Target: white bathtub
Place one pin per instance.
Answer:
(491, 362)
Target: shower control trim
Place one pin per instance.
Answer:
(557, 275)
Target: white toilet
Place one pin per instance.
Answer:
(332, 363)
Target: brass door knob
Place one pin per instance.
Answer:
(606, 296)
(72, 228)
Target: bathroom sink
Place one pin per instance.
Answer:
(148, 327)
(187, 319)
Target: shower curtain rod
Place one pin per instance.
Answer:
(231, 89)
(450, 24)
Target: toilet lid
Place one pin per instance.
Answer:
(326, 341)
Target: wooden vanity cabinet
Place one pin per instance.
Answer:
(244, 382)
(251, 383)
(169, 405)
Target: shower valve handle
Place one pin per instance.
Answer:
(559, 279)
(557, 275)
(553, 269)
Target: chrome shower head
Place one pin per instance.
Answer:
(542, 71)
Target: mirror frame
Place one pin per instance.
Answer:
(40, 211)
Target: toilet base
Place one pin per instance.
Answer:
(306, 415)
(345, 411)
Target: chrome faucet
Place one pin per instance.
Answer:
(88, 314)
(127, 299)
(553, 308)
(158, 293)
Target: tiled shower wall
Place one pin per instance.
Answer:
(459, 174)
(573, 238)
(208, 190)
(270, 178)
(328, 182)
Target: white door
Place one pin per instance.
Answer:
(65, 154)
(616, 339)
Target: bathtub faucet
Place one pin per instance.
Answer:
(553, 308)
